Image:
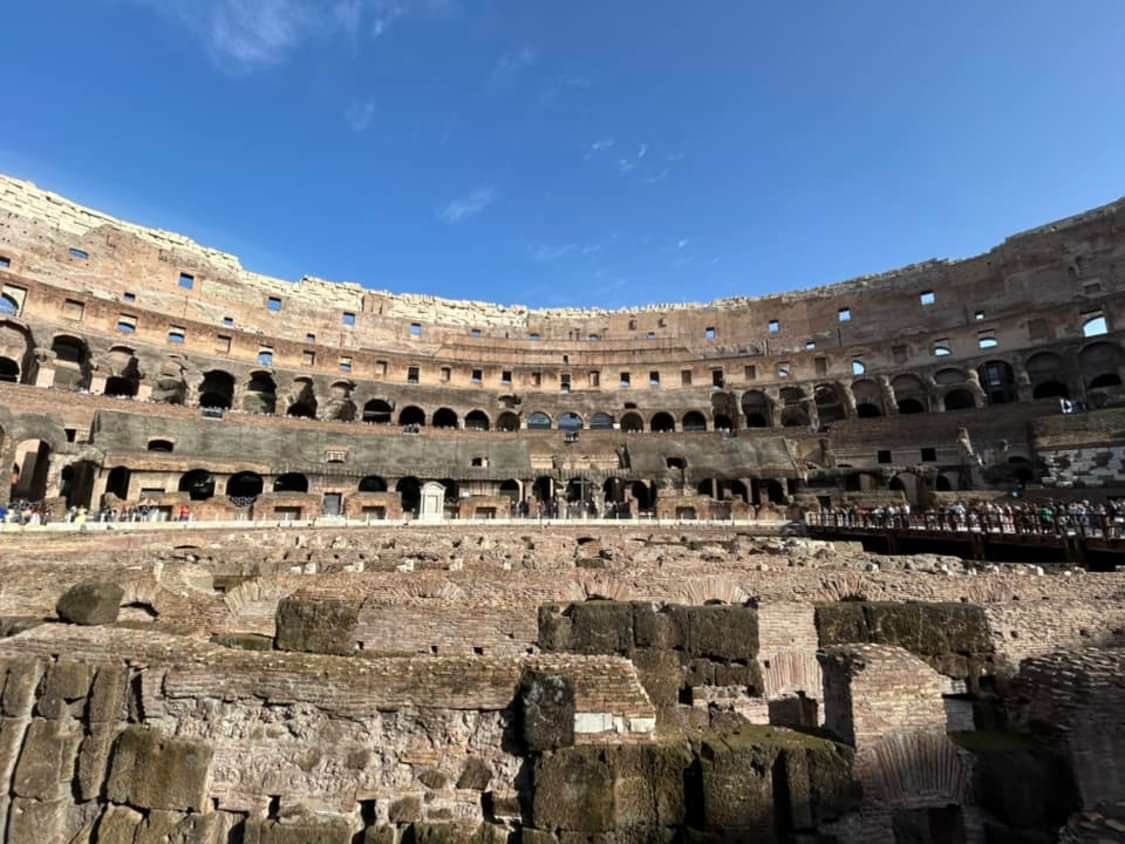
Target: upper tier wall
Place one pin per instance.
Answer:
(39, 230)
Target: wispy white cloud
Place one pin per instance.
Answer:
(643, 151)
(659, 177)
(514, 63)
(458, 210)
(625, 165)
(247, 35)
(680, 244)
(359, 114)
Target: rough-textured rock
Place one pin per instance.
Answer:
(91, 603)
(405, 810)
(317, 625)
(547, 708)
(151, 771)
(476, 774)
(722, 632)
(302, 831)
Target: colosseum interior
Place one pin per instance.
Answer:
(310, 563)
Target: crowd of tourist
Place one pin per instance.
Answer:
(35, 513)
(997, 516)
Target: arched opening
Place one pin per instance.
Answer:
(756, 409)
(793, 411)
(908, 406)
(166, 446)
(29, 472)
(476, 420)
(601, 422)
(8, 305)
(867, 410)
(959, 400)
(340, 407)
(9, 371)
(723, 422)
(1050, 390)
(738, 490)
(304, 404)
(261, 394)
(291, 482)
(662, 423)
(578, 489)
(411, 415)
(77, 482)
(644, 496)
(694, 422)
(377, 412)
(539, 421)
(510, 489)
(72, 362)
(198, 484)
(614, 490)
(541, 489)
(411, 491)
(949, 375)
(1101, 364)
(444, 418)
(1095, 326)
(999, 381)
(910, 393)
(570, 422)
(118, 387)
(775, 492)
(632, 423)
(508, 423)
(244, 487)
(373, 483)
(117, 483)
(829, 404)
(452, 490)
(1023, 471)
(217, 389)
(941, 484)
(705, 487)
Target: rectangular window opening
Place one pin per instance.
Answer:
(774, 326)
(750, 372)
(73, 309)
(446, 373)
(348, 319)
(345, 365)
(478, 376)
(884, 456)
(929, 455)
(927, 297)
(506, 377)
(126, 324)
(273, 304)
(709, 334)
(177, 335)
(626, 380)
(717, 379)
(128, 298)
(309, 358)
(187, 282)
(685, 378)
(844, 315)
(412, 375)
(80, 254)
(222, 344)
(415, 329)
(654, 379)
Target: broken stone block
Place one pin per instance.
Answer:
(601, 627)
(573, 790)
(19, 689)
(38, 820)
(476, 774)
(107, 695)
(93, 757)
(46, 761)
(317, 625)
(547, 706)
(554, 629)
(720, 632)
(67, 681)
(152, 771)
(382, 834)
(91, 603)
(405, 810)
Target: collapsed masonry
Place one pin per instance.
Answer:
(803, 699)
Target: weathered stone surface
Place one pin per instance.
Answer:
(107, 695)
(601, 627)
(547, 708)
(245, 641)
(151, 771)
(573, 791)
(405, 810)
(317, 625)
(325, 831)
(91, 603)
(37, 820)
(433, 779)
(722, 632)
(382, 834)
(19, 687)
(476, 774)
(46, 762)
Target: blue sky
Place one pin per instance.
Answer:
(572, 153)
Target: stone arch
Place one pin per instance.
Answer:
(723, 422)
(217, 389)
(756, 408)
(199, 484)
(261, 393)
(508, 422)
(794, 414)
(539, 421)
(340, 407)
(477, 420)
(829, 404)
(1101, 364)
(632, 423)
(30, 468)
(601, 421)
(117, 482)
(377, 412)
(244, 486)
(694, 422)
(16, 345)
(868, 399)
(959, 399)
(373, 483)
(570, 421)
(303, 404)
(161, 444)
(119, 387)
(412, 415)
(949, 375)
(998, 380)
(662, 423)
(291, 482)
(1047, 374)
(9, 370)
(72, 362)
(911, 394)
(445, 417)
(511, 489)
(410, 489)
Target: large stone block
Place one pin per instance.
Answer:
(547, 708)
(46, 762)
(327, 831)
(601, 627)
(91, 603)
(151, 771)
(721, 632)
(554, 629)
(573, 791)
(37, 820)
(67, 681)
(317, 625)
(842, 623)
(736, 787)
(107, 694)
(19, 687)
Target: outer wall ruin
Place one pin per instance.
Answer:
(374, 602)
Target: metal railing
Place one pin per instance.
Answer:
(1019, 524)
